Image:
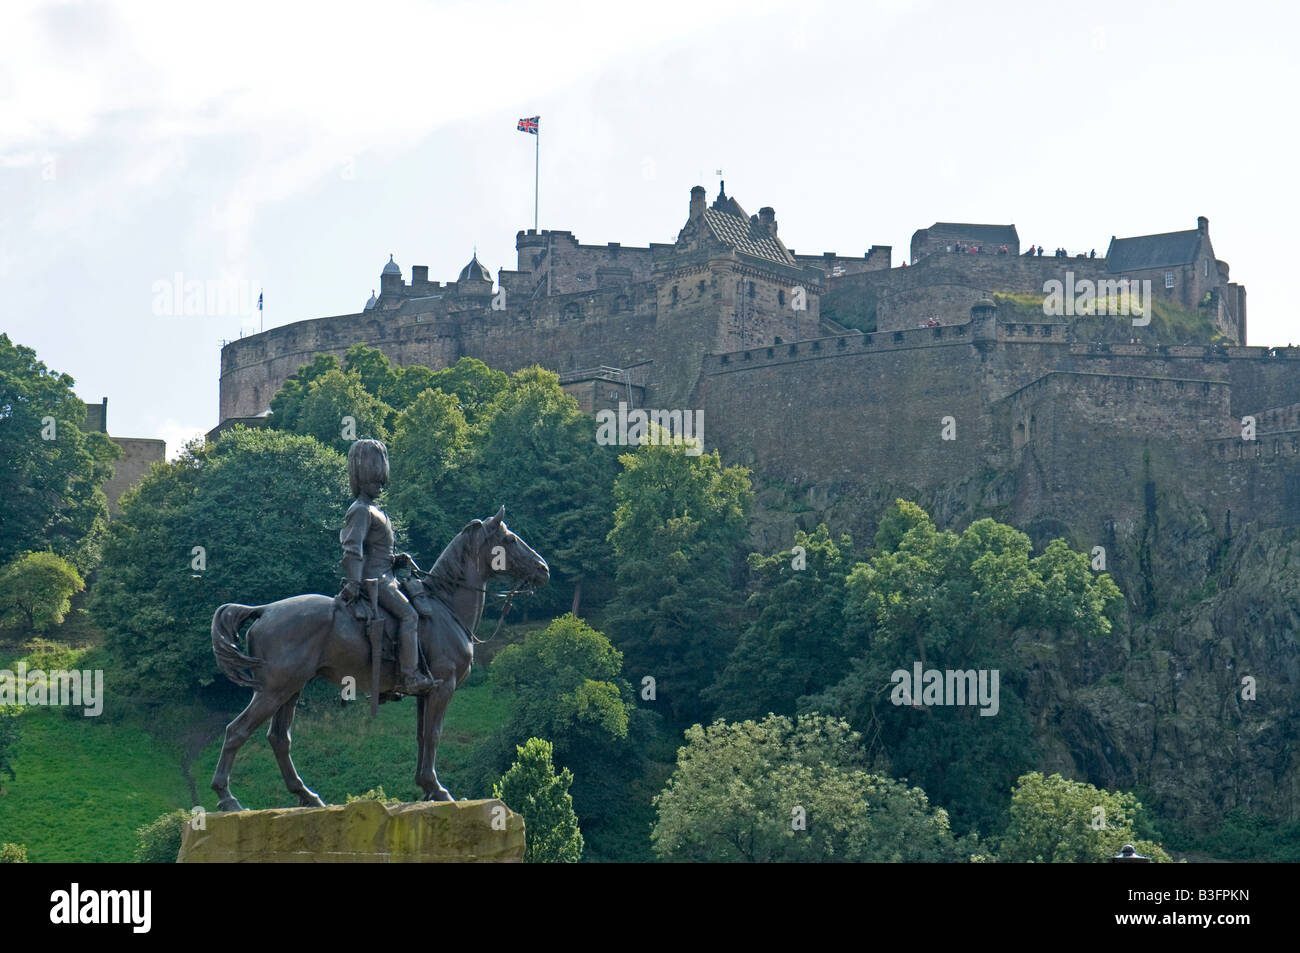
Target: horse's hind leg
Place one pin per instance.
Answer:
(278, 735)
(238, 731)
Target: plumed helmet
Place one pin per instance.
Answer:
(367, 463)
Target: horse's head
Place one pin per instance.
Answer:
(500, 552)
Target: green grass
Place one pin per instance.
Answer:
(340, 750)
(84, 785)
(1170, 322)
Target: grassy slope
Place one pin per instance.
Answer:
(339, 749)
(84, 785)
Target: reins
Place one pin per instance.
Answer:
(505, 608)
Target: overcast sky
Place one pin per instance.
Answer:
(295, 146)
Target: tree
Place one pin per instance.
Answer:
(335, 408)
(432, 471)
(792, 790)
(538, 455)
(678, 525)
(532, 788)
(50, 496)
(476, 386)
(1058, 821)
(794, 644)
(566, 683)
(37, 589)
(960, 602)
(13, 854)
(251, 518)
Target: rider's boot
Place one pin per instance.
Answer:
(411, 681)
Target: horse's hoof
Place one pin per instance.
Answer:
(310, 799)
(230, 803)
(441, 794)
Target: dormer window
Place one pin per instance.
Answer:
(1169, 279)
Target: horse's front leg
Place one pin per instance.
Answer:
(435, 707)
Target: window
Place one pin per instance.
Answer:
(1206, 265)
(780, 297)
(1169, 279)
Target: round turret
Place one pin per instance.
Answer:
(371, 303)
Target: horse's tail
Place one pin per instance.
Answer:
(241, 669)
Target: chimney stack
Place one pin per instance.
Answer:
(1202, 224)
(767, 218)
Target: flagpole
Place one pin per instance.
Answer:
(537, 170)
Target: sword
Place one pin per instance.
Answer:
(375, 631)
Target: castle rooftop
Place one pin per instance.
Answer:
(756, 237)
(1154, 251)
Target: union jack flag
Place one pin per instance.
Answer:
(530, 125)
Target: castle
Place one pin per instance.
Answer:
(841, 378)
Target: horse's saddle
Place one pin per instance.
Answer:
(364, 613)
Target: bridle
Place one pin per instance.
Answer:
(505, 608)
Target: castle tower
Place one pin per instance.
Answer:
(474, 281)
(390, 279)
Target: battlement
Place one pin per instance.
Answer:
(1281, 447)
(556, 261)
(834, 266)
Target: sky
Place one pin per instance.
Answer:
(290, 148)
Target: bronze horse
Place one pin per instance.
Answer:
(304, 637)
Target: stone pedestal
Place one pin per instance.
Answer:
(361, 832)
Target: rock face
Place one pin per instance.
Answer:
(361, 832)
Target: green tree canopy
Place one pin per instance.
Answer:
(1058, 821)
(970, 601)
(476, 386)
(565, 682)
(532, 788)
(37, 589)
(335, 408)
(50, 496)
(795, 643)
(432, 471)
(792, 790)
(678, 525)
(265, 508)
(538, 455)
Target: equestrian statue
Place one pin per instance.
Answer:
(411, 637)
